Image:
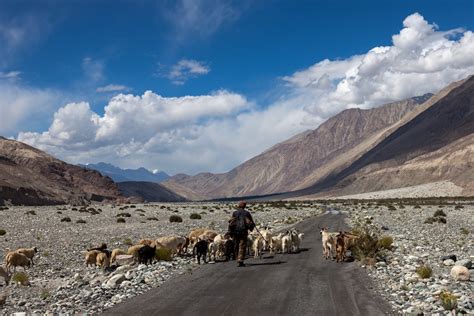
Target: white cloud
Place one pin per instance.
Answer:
(112, 88)
(199, 18)
(93, 69)
(22, 105)
(11, 75)
(422, 59)
(186, 69)
(218, 131)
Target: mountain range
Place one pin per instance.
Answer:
(122, 175)
(415, 141)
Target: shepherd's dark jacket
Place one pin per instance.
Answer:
(245, 213)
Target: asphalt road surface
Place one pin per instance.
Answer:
(290, 284)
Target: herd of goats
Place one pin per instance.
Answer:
(206, 244)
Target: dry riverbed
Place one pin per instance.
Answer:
(59, 282)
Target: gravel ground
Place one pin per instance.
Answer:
(59, 282)
(418, 243)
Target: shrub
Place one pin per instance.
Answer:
(458, 207)
(152, 219)
(448, 300)
(430, 220)
(424, 271)
(417, 206)
(66, 219)
(175, 219)
(45, 294)
(163, 254)
(464, 231)
(2, 232)
(21, 278)
(120, 220)
(30, 213)
(59, 212)
(81, 221)
(391, 207)
(128, 242)
(439, 213)
(386, 242)
(441, 220)
(124, 215)
(139, 210)
(195, 216)
(133, 206)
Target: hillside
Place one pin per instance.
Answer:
(29, 176)
(148, 191)
(301, 160)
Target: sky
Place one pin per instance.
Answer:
(192, 86)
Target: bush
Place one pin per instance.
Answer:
(66, 219)
(152, 219)
(448, 300)
(124, 215)
(21, 278)
(424, 271)
(458, 207)
(386, 242)
(439, 213)
(175, 219)
(128, 242)
(391, 207)
(45, 294)
(441, 220)
(417, 206)
(120, 220)
(30, 213)
(163, 254)
(81, 221)
(195, 216)
(59, 212)
(430, 220)
(464, 231)
(2, 232)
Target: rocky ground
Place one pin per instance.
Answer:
(417, 243)
(59, 282)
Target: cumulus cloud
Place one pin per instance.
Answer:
(20, 104)
(112, 88)
(422, 59)
(218, 131)
(11, 75)
(186, 69)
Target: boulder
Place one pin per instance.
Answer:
(115, 280)
(122, 260)
(460, 273)
(465, 263)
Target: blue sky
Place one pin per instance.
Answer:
(54, 53)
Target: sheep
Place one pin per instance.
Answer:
(102, 260)
(146, 254)
(340, 248)
(28, 252)
(212, 250)
(148, 242)
(229, 250)
(267, 240)
(250, 239)
(5, 275)
(200, 250)
(15, 259)
(328, 240)
(208, 235)
(296, 240)
(276, 243)
(133, 250)
(91, 257)
(258, 247)
(115, 253)
(286, 242)
(174, 243)
(194, 235)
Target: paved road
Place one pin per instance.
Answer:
(294, 284)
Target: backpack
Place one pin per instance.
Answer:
(240, 223)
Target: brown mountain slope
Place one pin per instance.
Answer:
(435, 142)
(31, 177)
(299, 161)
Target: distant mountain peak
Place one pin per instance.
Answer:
(122, 175)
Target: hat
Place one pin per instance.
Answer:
(242, 204)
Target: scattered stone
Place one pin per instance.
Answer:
(465, 263)
(448, 262)
(451, 257)
(460, 273)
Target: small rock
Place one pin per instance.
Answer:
(460, 273)
(115, 280)
(448, 262)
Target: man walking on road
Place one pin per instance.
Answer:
(239, 226)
